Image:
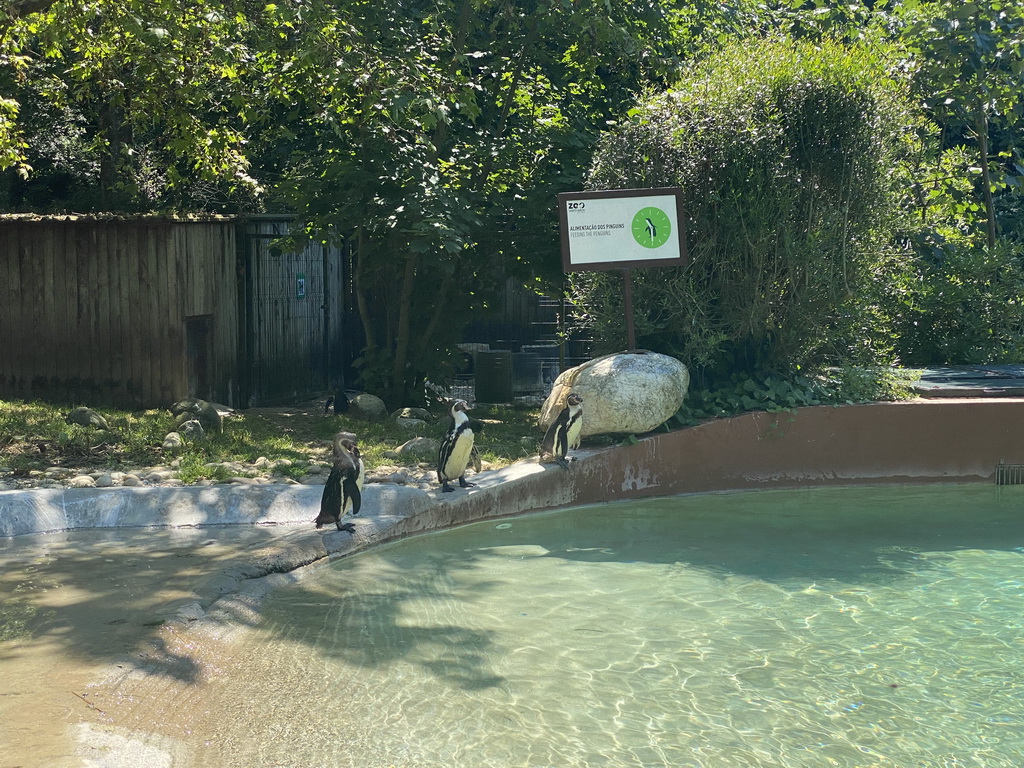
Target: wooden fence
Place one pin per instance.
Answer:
(141, 311)
(134, 312)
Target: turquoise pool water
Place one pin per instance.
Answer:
(848, 627)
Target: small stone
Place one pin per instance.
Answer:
(315, 469)
(131, 480)
(314, 480)
(104, 481)
(81, 481)
(173, 441)
(261, 463)
(419, 446)
(191, 430)
(243, 481)
(173, 481)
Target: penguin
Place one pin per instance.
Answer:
(344, 488)
(456, 449)
(338, 401)
(564, 433)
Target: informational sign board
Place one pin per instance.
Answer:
(621, 229)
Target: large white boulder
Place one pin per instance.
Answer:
(624, 393)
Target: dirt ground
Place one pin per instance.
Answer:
(74, 606)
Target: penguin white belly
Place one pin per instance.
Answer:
(458, 460)
(573, 434)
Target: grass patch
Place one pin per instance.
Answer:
(35, 436)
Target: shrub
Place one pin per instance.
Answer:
(784, 154)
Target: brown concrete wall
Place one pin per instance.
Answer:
(921, 441)
(907, 442)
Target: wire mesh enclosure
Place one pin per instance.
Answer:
(1009, 474)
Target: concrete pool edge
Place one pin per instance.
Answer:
(924, 440)
(918, 441)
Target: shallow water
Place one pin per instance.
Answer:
(74, 603)
(822, 627)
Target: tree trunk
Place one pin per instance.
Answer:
(981, 127)
(403, 331)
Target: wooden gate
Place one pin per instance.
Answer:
(292, 305)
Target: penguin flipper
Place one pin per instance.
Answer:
(547, 445)
(353, 494)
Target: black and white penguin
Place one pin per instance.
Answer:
(456, 449)
(564, 433)
(337, 401)
(343, 493)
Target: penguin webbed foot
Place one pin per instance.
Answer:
(563, 462)
(349, 527)
(445, 488)
(463, 483)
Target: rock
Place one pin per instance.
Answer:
(412, 413)
(86, 417)
(173, 442)
(203, 412)
(81, 481)
(629, 392)
(314, 480)
(191, 430)
(104, 481)
(366, 407)
(420, 446)
(130, 480)
(410, 423)
(182, 406)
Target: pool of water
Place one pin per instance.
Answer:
(845, 627)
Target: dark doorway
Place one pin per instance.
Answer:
(199, 354)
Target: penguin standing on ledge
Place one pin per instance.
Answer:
(344, 488)
(456, 449)
(564, 433)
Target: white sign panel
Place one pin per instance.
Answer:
(622, 228)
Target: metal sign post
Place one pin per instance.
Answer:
(622, 229)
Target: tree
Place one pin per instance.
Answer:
(155, 85)
(970, 59)
(428, 131)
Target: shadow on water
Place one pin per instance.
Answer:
(356, 610)
(104, 595)
(356, 615)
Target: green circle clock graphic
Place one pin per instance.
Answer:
(651, 227)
